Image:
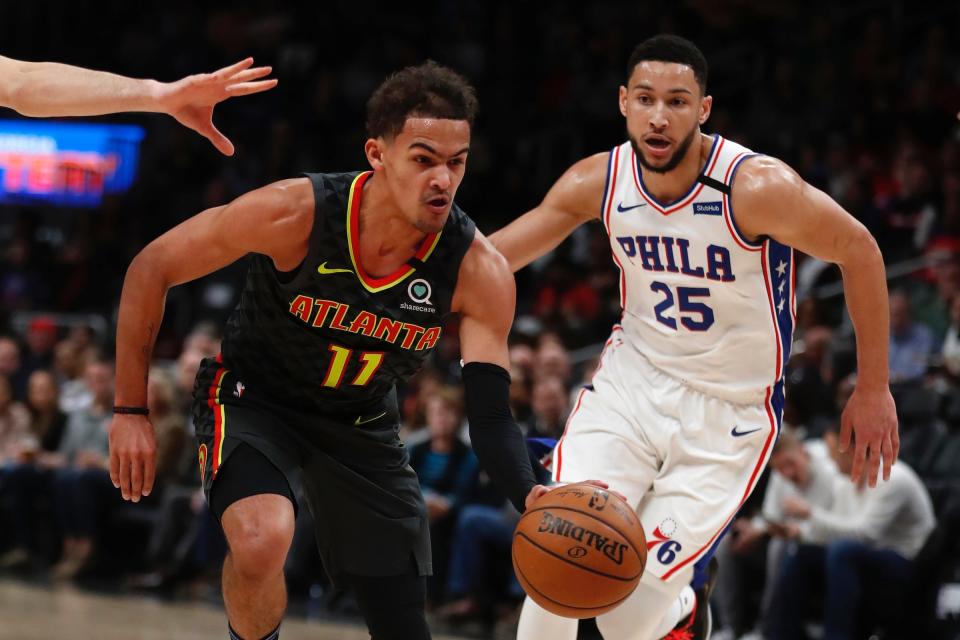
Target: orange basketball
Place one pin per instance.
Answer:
(579, 551)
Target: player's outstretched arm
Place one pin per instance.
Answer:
(574, 199)
(772, 200)
(50, 89)
(274, 220)
(485, 298)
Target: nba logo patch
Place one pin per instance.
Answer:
(707, 208)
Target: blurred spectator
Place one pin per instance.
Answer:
(799, 468)
(910, 343)
(447, 470)
(10, 366)
(168, 423)
(552, 360)
(14, 422)
(549, 403)
(930, 298)
(856, 553)
(69, 362)
(65, 478)
(520, 394)
(47, 421)
(951, 345)
(82, 485)
(41, 339)
(808, 375)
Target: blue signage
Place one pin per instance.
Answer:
(66, 163)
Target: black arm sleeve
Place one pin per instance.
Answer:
(496, 438)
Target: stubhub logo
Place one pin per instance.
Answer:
(708, 208)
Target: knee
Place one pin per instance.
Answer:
(842, 552)
(259, 545)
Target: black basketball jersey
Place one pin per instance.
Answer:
(329, 337)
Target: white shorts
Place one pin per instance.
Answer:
(685, 461)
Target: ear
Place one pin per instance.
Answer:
(623, 101)
(373, 148)
(706, 106)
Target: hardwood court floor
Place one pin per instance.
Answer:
(29, 612)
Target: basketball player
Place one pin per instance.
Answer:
(351, 278)
(49, 89)
(686, 405)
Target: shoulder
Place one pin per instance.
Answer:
(483, 265)
(287, 204)
(762, 178)
(485, 283)
(580, 189)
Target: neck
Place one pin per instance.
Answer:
(386, 238)
(670, 186)
(441, 445)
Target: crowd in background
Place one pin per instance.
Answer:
(860, 98)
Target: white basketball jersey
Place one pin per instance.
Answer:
(700, 301)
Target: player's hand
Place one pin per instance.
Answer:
(786, 530)
(747, 536)
(191, 100)
(870, 417)
(538, 490)
(796, 507)
(133, 455)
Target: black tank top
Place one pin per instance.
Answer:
(328, 337)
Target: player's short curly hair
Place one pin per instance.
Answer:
(428, 90)
(671, 48)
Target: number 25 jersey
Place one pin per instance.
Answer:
(700, 301)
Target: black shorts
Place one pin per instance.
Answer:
(355, 472)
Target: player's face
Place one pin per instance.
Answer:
(794, 465)
(423, 167)
(664, 109)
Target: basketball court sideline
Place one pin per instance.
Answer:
(29, 612)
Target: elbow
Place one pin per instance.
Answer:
(146, 270)
(861, 249)
(11, 95)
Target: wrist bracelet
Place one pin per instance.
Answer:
(137, 411)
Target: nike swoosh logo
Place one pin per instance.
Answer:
(359, 421)
(323, 270)
(622, 208)
(737, 434)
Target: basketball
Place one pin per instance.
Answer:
(579, 551)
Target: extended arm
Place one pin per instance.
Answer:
(274, 221)
(50, 89)
(574, 199)
(485, 298)
(772, 200)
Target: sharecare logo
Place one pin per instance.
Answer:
(556, 525)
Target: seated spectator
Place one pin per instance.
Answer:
(799, 468)
(951, 345)
(14, 422)
(81, 481)
(910, 343)
(47, 421)
(69, 362)
(856, 553)
(10, 366)
(549, 407)
(447, 469)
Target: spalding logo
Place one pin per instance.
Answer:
(576, 552)
(557, 526)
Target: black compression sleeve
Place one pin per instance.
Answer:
(496, 438)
